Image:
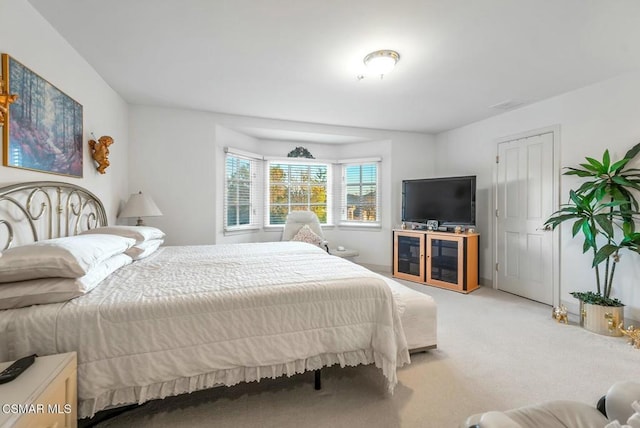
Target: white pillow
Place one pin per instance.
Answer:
(144, 249)
(70, 257)
(53, 290)
(305, 234)
(139, 233)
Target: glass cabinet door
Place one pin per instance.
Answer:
(408, 255)
(445, 261)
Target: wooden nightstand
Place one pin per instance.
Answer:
(45, 395)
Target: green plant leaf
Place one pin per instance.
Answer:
(606, 160)
(592, 168)
(631, 183)
(617, 165)
(605, 224)
(632, 178)
(577, 226)
(601, 191)
(575, 198)
(567, 209)
(586, 246)
(578, 172)
(633, 151)
(619, 179)
(616, 203)
(555, 221)
(597, 165)
(627, 196)
(586, 186)
(589, 234)
(618, 193)
(604, 253)
(631, 240)
(595, 298)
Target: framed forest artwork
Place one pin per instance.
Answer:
(44, 130)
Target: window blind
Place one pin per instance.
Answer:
(298, 185)
(241, 192)
(360, 202)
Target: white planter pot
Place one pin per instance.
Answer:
(601, 319)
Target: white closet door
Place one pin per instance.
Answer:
(525, 201)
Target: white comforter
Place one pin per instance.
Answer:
(188, 318)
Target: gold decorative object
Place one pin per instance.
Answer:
(560, 314)
(632, 333)
(6, 99)
(601, 319)
(100, 152)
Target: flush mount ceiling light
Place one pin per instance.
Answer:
(381, 62)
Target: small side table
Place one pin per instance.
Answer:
(45, 395)
(345, 254)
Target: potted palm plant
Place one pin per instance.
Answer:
(603, 211)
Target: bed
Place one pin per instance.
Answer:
(193, 317)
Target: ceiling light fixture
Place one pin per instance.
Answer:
(381, 62)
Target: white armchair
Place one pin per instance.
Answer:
(296, 220)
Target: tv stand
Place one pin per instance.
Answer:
(441, 259)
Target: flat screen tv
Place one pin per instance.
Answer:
(450, 200)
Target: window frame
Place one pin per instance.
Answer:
(253, 183)
(344, 221)
(329, 204)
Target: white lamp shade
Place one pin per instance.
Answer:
(140, 205)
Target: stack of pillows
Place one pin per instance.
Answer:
(56, 270)
(147, 239)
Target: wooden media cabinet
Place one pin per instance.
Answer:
(441, 259)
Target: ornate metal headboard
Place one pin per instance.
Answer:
(39, 210)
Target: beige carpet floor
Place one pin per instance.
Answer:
(495, 351)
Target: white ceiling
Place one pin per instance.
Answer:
(298, 60)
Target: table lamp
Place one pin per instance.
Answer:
(140, 205)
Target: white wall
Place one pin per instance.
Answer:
(192, 176)
(30, 39)
(604, 115)
(172, 158)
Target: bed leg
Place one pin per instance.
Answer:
(318, 382)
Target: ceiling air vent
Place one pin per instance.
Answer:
(508, 104)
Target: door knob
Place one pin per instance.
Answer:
(546, 228)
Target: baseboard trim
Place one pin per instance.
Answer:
(486, 282)
(377, 268)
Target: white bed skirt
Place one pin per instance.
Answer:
(230, 377)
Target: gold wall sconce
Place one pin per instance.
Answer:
(6, 99)
(100, 152)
